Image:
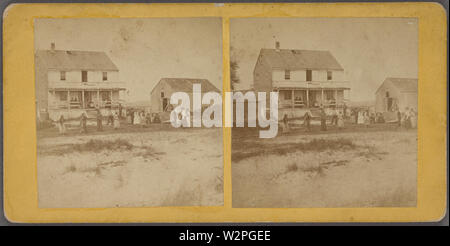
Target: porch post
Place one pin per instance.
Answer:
(82, 99)
(335, 98)
(98, 99)
(53, 100)
(292, 99)
(110, 98)
(68, 102)
(307, 98)
(321, 98)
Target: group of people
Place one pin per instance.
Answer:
(112, 119)
(337, 119)
(407, 119)
(138, 117)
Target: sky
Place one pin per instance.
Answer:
(369, 49)
(145, 49)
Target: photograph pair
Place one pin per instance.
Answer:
(132, 112)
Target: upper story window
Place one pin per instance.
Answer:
(62, 75)
(84, 76)
(105, 76)
(162, 93)
(329, 75)
(287, 74)
(308, 75)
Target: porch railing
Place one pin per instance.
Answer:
(85, 105)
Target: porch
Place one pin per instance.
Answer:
(293, 98)
(83, 99)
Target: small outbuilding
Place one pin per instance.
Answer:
(163, 90)
(396, 94)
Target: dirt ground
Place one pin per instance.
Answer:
(354, 167)
(130, 167)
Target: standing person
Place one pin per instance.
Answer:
(323, 120)
(399, 118)
(143, 120)
(148, 118)
(360, 118)
(407, 118)
(186, 116)
(137, 120)
(116, 121)
(285, 124)
(340, 120)
(99, 121)
(413, 118)
(61, 126)
(110, 117)
(83, 123)
(132, 116)
(366, 119)
(334, 117)
(120, 110)
(307, 120)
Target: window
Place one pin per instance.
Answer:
(105, 76)
(329, 75)
(287, 74)
(308, 75)
(162, 93)
(62, 95)
(287, 95)
(62, 75)
(105, 95)
(330, 95)
(387, 93)
(84, 76)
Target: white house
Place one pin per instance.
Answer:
(72, 82)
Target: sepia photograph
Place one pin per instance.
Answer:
(346, 111)
(103, 105)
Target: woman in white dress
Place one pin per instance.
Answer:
(137, 118)
(413, 118)
(116, 121)
(340, 120)
(360, 117)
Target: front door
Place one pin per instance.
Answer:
(164, 104)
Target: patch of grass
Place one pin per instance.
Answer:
(149, 152)
(71, 169)
(371, 153)
(292, 167)
(251, 149)
(93, 145)
(97, 145)
(184, 196)
(219, 185)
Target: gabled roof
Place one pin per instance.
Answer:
(185, 84)
(300, 59)
(75, 60)
(402, 84)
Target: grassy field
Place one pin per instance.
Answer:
(130, 167)
(354, 167)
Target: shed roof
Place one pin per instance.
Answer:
(402, 84)
(76, 60)
(185, 84)
(300, 59)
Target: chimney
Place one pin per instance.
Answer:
(52, 46)
(277, 46)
